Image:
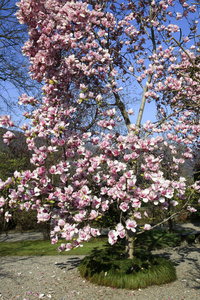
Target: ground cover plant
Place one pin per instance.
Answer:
(109, 267)
(87, 54)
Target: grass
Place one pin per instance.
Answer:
(109, 267)
(148, 241)
(40, 247)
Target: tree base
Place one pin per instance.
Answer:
(112, 269)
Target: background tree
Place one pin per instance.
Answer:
(196, 164)
(14, 77)
(14, 156)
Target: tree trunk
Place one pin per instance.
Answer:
(130, 239)
(170, 225)
(46, 231)
(170, 221)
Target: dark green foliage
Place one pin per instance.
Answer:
(8, 164)
(156, 239)
(109, 219)
(110, 268)
(24, 221)
(14, 156)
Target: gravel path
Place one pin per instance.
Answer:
(57, 278)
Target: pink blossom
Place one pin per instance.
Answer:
(122, 234)
(95, 232)
(147, 227)
(119, 227)
(136, 203)
(112, 237)
(131, 112)
(69, 246)
(8, 136)
(174, 203)
(62, 247)
(80, 216)
(131, 225)
(93, 215)
(82, 54)
(43, 215)
(82, 236)
(5, 120)
(2, 201)
(124, 206)
(61, 222)
(7, 216)
(105, 205)
(137, 215)
(191, 209)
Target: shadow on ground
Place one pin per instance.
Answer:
(187, 263)
(70, 264)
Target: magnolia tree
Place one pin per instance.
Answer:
(84, 52)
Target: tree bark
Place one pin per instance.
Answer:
(170, 221)
(130, 236)
(130, 241)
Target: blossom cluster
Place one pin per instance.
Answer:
(82, 51)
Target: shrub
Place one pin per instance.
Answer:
(110, 268)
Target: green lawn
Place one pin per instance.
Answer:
(149, 240)
(40, 247)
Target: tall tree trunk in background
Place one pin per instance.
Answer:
(46, 231)
(170, 221)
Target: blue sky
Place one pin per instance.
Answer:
(149, 111)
